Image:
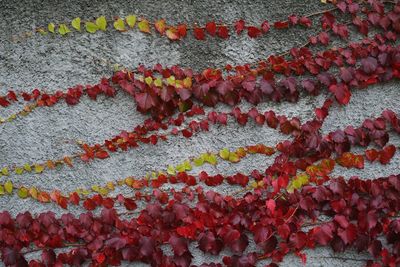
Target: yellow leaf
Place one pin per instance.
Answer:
(51, 27)
(171, 80)
(253, 184)
(198, 161)
(131, 20)
(129, 181)
(85, 192)
(63, 29)
(180, 168)
(187, 82)
(101, 22)
(27, 167)
(119, 25)
(171, 170)
(91, 27)
(303, 178)
(241, 152)
(186, 164)
(110, 185)
(8, 186)
(4, 171)
(143, 26)
(39, 168)
(76, 24)
(2, 192)
(19, 170)
(23, 192)
(296, 184)
(33, 192)
(323, 1)
(148, 80)
(211, 158)
(233, 157)
(42, 31)
(158, 82)
(224, 153)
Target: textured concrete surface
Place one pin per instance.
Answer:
(53, 63)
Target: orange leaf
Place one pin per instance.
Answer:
(50, 164)
(68, 161)
(172, 34)
(43, 197)
(160, 26)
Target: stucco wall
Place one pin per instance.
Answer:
(57, 63)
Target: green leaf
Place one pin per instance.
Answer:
(180, 168)
(296, 184)
(19, 170)
(224, 154)
(76, 24)
(8, 186)
(131, 20)
(91, 27)
(4, 171)
(101, 22)
(23, 192)
(119, 25)
(210, 158)
(198, 161)
(186, 164)
(51, 27)
(233, 157)
(63, 29)
(171, 170)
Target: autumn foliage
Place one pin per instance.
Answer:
(298, 202)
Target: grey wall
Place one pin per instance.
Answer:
(53, 63)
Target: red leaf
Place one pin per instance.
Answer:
(188, 231)
(179, 245)
(372, 154)
(209, 243)
(349, 234)
(182, 29)
(253, 32)
(4, 102)
(89, 204)
(102, 154)
(211, 28)
(323, 235)
(281, 24)
(199, 33)
(239, 26)
(341, 92)
(305, 22)
(144, 100)
(186, 133)
(387, 154)
(130, 204)
(223, 32)
(265, 26)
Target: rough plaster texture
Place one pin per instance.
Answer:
(58, 63)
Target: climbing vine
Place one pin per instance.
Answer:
(298, 202)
